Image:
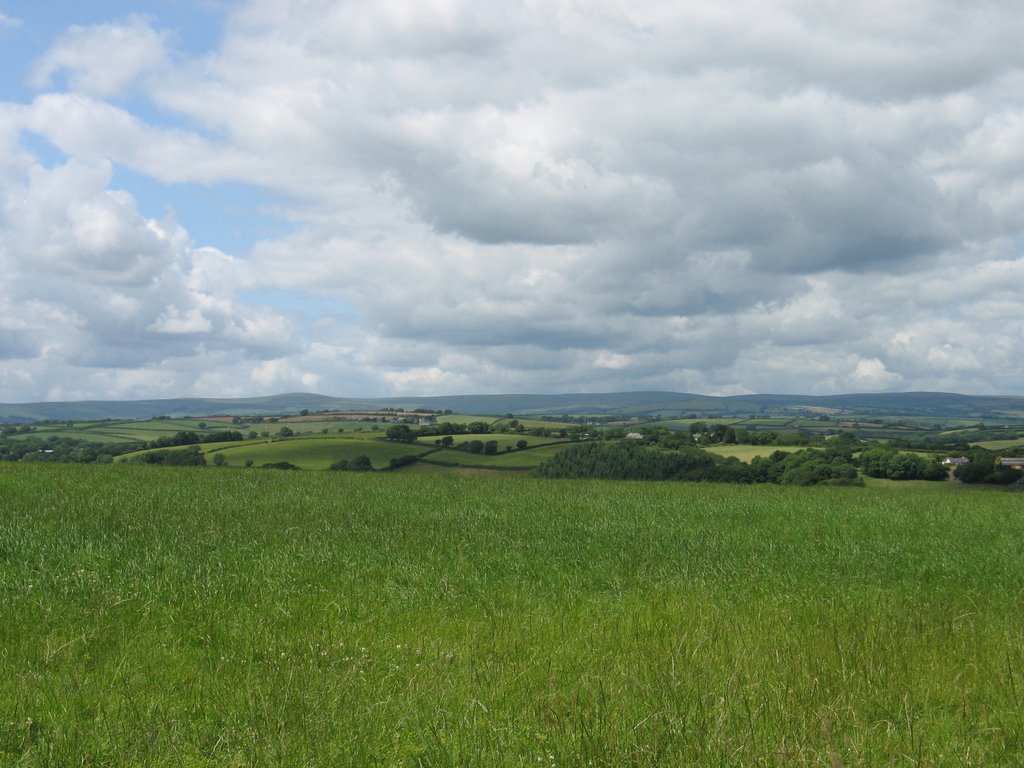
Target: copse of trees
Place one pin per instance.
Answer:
(358, 464)
(16, 429)
(401, 433)
(631, 461)
(628, 461)
(805, 467)
(62, 450)
(886, 461)
(190, 456)
(700, 433)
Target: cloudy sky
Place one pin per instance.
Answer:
(245, 197)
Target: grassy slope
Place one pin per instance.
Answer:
(526, 459)
(1001, 445)
(313, 453)
(221, 617)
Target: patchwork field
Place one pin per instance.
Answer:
(203, 617)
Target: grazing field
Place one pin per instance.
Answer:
(747, 452)
(527, 459)
(1016, 445)
(504, 440)
(202, 617)
(313, 453)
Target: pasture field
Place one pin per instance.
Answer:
(312, 453)
(465, 418)
(540, 423)
(766, 422)
(747, 452)
(310, 426)
(203, 617)
(76, 434)
(502, 439)
(999, 445)
(527, 459)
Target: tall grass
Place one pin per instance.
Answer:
(165, 617)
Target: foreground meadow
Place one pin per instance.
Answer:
(195, 617)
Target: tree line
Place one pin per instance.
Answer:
(630, 461)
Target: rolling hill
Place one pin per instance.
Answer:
(932, 404)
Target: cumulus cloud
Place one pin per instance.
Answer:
(102, 60)
(91, 285)
(539, 196)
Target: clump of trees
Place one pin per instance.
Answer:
(402, 461)
(360, 463)
(886, 461)
(833, 466)
(628, 461)
(16, 429)
(191, 456)
(402, 433)
(631, 461)
(62, 450)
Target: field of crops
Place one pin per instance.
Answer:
(204, 617)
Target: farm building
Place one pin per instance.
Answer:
(956, 461)
(1013, 462)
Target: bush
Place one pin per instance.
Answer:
(358, 464)
(186, 457)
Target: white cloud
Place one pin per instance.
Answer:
(872, 374)
(103, 60)
(173, 320)
(541, 196)
(85, 128)
(92, 287)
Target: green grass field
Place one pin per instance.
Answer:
(312, 453)
(204, 617)
(1001, 445)
(502, 439)
(526, 459)
(747, 452)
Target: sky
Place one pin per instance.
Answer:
(225, 198)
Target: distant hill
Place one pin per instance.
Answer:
(666, 404)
